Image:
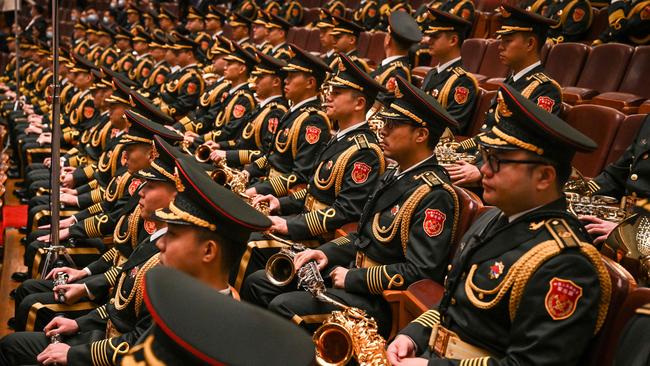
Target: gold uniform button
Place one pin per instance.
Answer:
(112, 301)
(644, 157)
(634, 177)
(449, 267)
(453, 301)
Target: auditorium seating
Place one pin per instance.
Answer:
(634, 88)
(603, 71)
(491, 66)
(557, 65)
(472, 53)
(601, 124)
(625, 136)
(484, 101)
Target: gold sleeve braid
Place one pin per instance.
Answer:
(375, 276)
(261, 162)
(281, 184)
(342, 240)
(96, 209)
(111, 275)
(103, 314)
(109, 256)
(428, 319)
(92, 225)
(317, 220)
(524, 268)
(246, 155)
(97, 195)
(480, 361)
(104, 353)
(93, 183)
(89, 170)
(300, 194)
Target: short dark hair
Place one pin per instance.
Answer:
(228, 253)
(369, 101)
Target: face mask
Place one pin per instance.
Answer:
(49, 35)
(121, 3)
(84, 19)
(93, 18)
(73, 18)
(106, 20)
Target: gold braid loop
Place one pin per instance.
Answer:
(402, 219)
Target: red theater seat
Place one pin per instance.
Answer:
(472, 51)
(491, 66)
(625, 136)
(558, 66)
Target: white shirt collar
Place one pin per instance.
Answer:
(329, 53)
(158, 63)
(512, 218)
(275, 48)
(521, 73)
(300, 104)
(236, 87)
(268, 100)
(242, 40)
(158, 233)
(341, 133)
(390, 59)
(175, 68)
(225, 291)
(446, 64)
(400, 174)
(350, 52)
(188, 66)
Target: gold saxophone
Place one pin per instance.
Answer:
(346, 333)
(447, 150)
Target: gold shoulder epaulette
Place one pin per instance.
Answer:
(430, 178)
(459, 71)
(562, 233)
(361, 141)
(276, 105)
(541, 77)
(644, 310)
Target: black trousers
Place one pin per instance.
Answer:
(304, 309)
(23, 347)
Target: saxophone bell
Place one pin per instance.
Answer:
(202, 153)
(333, 345)
(280, 269)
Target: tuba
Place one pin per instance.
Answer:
(347, 333)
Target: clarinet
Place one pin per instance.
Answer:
(61, 278)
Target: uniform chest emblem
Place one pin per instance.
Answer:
(329, 165)
(434, 93)
(273, 124)
(133, 272)
(145, 72)
(460, 95)
(394, 210)
(360, 172)
(88, 112)
(191, 88)
(562, 298)
(160, 78)
(434, 222)
(496, 270)
(135, 183)
(312, 133)
(546, 103)
(578, 14)
(239, 111)
(224, 96)
(391, 84)
(149, 227)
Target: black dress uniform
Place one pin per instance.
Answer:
(453, 87)
(180, 93)
(347, 170)
(520, 287)
(238, 19)
(281, 51)
(573, 20)
(633, 350)
(159, 70)
(404, 235)
(292, 12)
(259, 131)
(630, 173)
(219, 337)
(301, 132)
(629, 22)
(345, 26)
(367, 14)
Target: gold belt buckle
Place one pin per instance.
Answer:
(309, 202)
(441, 341)
(359, 260)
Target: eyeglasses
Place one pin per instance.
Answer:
(494, 162)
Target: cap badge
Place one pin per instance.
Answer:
(502, 108)
(496, 270)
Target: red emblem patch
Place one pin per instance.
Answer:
(434, 222)
(149, 227)
(465, 14)
(645, 13)
(461, 94)
(273, 124)
(238, 111)
(127, 66)
(545, 103)
(360, 172)
(562, 298)
(135, 183)
(160, 78)
(191, 88)
(578, 14)
(133, 272)
(372, 12)
(88, 112)
(312, 133)
(109, 60)
(391, 84)
(394, 210)
(145, 72)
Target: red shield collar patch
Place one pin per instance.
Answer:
(145, 72)
(360, 172)
(461, 94)
(546, 103)
(191, 88)
(562, 298)
(394, 210)
(88, 112)
(133, 272)
(238, 111)
(273, 124)
(135, 183)
(127, 66)
(149, 227)
(160, 78)
(312, 133)
(391, 84)
(578, 14)
(434, 222)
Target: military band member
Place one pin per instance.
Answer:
(179, 95)
(278, 29)
(241, 28)
(367, 14)
(160, 69)
(195, 24)
(414, 199)
(325, 24)
(292, 12)
(386, 8)
(348, 169)
(167, 20)
(215, 19)
(143, 62)
(573, 20)
(218, 336)
(403, 33)
(626, 178)
(124, 48)
(453, 86)
(522, 36)
(524, 267)
(335, 7)
(261, 32)
(301, 133)
(258, 134)
(107, 55)
(89, 287)
(628, 23)
(346, 38)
